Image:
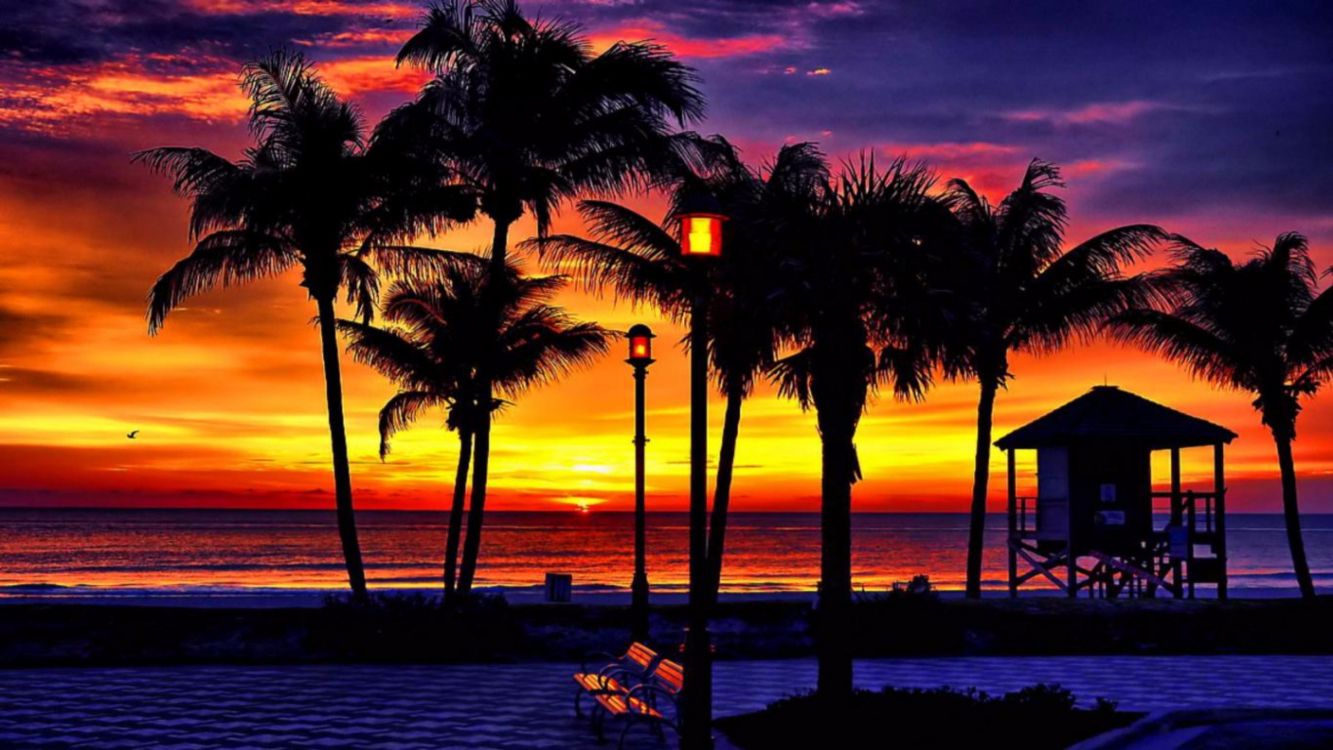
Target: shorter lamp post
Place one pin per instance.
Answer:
(700, 241)
(640, 356)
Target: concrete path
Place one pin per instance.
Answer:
(529, 705)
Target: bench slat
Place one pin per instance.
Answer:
(670, 675)
(618, 705)
(593, 683)
(641, 655)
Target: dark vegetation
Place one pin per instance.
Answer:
(1042, 716)
(416, 629)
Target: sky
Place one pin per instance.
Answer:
(1210, 119)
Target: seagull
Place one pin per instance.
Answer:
(132, 434)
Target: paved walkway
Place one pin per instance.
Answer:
(529, 705)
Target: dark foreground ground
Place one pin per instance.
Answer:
(417, 631)
(529, 706)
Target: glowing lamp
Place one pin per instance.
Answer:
(640, 345)
(701, 234)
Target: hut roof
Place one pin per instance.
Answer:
(1106, 412)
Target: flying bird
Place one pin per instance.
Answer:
(132, 434)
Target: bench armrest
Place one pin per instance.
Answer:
(653, 696)
(599, 656)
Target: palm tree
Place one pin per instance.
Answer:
(1260, 326)
(523, 113)
(448, 335)
(310, 194)
(857, 307)
(639, 259)
(432, 374)
(1019, 292)
(528, 117)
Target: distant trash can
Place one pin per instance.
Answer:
(559, 587)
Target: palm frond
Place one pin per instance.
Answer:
(791, 374)
(597, 267)
(1199, 350)
(448, 32)
(543, 345)
(400, 411)
(645, 74)
(223, 258)
(391, 354)
(409, 261)
(1312, 335)
(1073, 296)
(361, 283)
(192, 170)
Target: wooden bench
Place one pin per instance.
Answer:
(617, 677)
(653, 702)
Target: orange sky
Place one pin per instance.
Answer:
(229, 397)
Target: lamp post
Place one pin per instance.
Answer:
(700, 240)
(640, 356)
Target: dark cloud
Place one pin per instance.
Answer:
(1170, 108)
(22, 330)
(62, 32)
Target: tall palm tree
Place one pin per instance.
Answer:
(1260, 326)
(523, 113)
(856, 301)
(1021, 292)
(309, 194)
(640, 260)
(447, 336)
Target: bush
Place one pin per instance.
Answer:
(415, 627)
(1041, 716)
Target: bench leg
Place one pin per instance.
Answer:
(629, 722)
(578, 700)
(599, 724)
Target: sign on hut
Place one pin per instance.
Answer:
(1096, 524)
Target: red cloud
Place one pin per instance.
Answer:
(355, 76)
(1100, 112)
(83, 97)
(685, 46)
(359, 38)
(74, 97)
(309, 8)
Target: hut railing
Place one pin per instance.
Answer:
(1194, 510)
(1026, 506)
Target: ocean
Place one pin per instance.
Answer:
(185, 551)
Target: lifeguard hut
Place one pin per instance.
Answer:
(1096, 525)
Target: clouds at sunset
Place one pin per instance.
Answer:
(1210, 119)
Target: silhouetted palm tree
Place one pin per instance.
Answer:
(438, 373)
(1020, 292)
(855, 296)
(640, 260)
(451, 333)
(310, 194)
(1260, 326)
(524, 114)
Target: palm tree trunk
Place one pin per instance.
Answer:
(477, 510)
(833, 648)
(481, 462)
(1291, 512)
(456, 512)
(499, 247)
(726, 461)
(976, 532)
(342, 475)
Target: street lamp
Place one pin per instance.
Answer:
(640, 356)
(700, 240)
(701, 234)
